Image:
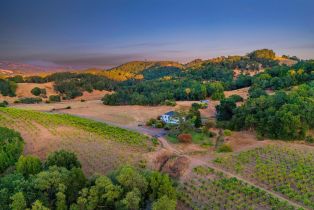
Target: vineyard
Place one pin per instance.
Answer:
(208, 189)
(99, 147)
(288, 171)
(52, 120)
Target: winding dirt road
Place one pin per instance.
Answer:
(195, 161)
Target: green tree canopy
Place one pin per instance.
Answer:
(63, 158)
(28, 165)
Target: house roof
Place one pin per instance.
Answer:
(171, 113)
(204, 101)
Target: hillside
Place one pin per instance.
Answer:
(21, 68)
(156, 82)
(221, 155)
(135, 69)
(99, 147)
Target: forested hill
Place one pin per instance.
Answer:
(254, 61)
(154, 83)
(135, 69)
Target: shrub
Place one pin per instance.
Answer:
(209, 124)
(54, 98)
(160, 124)
(224, 148)
(185, 138)
(151, 122)
(29, 100)
(227, 132)
(36, 91)
(196, 106)
(64, 159)
(204, 105)
(167, 127)
(204, 171)
(235, 98)
(170, 103)
(309, 139)
(4, 104)
(155, 141)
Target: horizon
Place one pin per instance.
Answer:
(98, 34)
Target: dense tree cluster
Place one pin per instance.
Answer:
(280, 77)
(136, 69)
(206, 79)
(54, 98)
(64, 159)
(280, 116)
(225, 109)
(156, 92)
(17, 79)
(153, 83)
(59, 183)
(30, 100)
(11, 147)
(71, 85)
(265, 57)
(161, 72)
(7, 87)
(262, 54)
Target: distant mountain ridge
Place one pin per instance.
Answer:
(14, 68)
(134, 69)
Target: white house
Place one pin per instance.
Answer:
(170, 118)
(205, 101)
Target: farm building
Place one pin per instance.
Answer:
(170, 118)
(204, 101)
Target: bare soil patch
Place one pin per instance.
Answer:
(95, 95)
(94, 109)
(24, 89)
(243, 92)
(244, 140)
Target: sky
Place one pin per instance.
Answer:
(104, 33)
